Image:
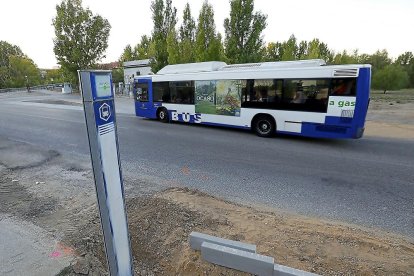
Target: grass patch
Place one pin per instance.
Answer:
(400, 96)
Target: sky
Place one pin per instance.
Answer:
(366, 25)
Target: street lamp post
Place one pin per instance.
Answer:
(27, 84)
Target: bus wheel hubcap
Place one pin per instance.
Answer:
(264, 126)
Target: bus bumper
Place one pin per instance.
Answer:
(360, 132)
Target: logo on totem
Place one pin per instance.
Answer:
(105, 112)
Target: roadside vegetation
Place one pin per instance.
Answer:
(196, 40)
(402, 96)
(81, 39)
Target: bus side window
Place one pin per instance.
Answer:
(261, 89)
(142, 94)
(343, 87)
(182, 92)
(290, 91)
(262, 93)
(275, 92)
(306, 95)
(161, 92)
(139, 93)
(248, 93)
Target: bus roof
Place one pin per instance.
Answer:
(192, 67)
(267, 70)
(211, 66)
(275, 64)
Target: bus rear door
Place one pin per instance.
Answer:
(144, 106)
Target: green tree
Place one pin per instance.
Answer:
(318, 50)
(187, 36)
(23, 72)
(4, 76)
(243, 33)
(344, 58)
(290, 49)
(174, 55)
(164, 18)
(144, 49)
(54, 76)
(390, 77)
(128, 54)
(325, 53)
(313, 49)
(406, 61)
(16, 69)
(363, 59)
(208, 45)
(274, 51)
(302, 52)
(379, 60)
(188, 27)
(117, 75)
(81, 37)
(410, 71)
(7, 50)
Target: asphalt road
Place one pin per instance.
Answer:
(368, 182)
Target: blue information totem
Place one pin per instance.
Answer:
(99, 107)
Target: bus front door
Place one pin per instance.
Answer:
(143, 98)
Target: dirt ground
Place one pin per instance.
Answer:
(323, 247)
(391, 115)
(160, 226)
(56, 193)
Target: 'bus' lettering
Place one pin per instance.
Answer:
(186, 117)
(174, 116)
(197, 118)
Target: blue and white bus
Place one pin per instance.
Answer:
(306, 98)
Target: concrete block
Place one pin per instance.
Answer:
(280, 270)
(237, 259)
(196, 239)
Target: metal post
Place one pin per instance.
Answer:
(27, 84)
(99, 107)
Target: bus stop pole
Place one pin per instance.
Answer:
(99, 108)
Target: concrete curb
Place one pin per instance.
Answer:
(240, 256)
(196, 240)
(237, 259)
(281, 270)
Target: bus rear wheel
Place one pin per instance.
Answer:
(162, 115)
(264, 126)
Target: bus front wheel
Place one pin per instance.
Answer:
(162, 115)
(264, 126)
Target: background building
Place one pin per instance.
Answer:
(135, 68)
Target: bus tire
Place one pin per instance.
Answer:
(264, 125)
(162, 115)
